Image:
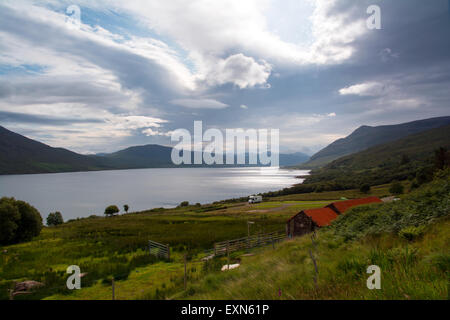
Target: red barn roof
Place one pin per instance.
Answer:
(321, 216)
(342, 206)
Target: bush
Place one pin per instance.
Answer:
(412, 233)
(184, 204)
(55, 219)
(111, 210)
(396, 188)
(19, 221)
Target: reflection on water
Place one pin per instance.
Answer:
(81, 194)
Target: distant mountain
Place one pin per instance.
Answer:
(410, 158)
(416, 147)
(396, 160)
(159, 156)
(148, 156)
(366, 137)
(20, 155)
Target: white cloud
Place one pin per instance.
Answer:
(200, 103)
(240, 70)
(243, 106)
(372, 89)
(151, 132)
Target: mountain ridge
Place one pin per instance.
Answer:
(22, 155)
(365, 137)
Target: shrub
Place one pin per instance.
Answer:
(55, 218)
(19, 221)
(412, 233)
(184, 204)
(396, 188)
(111, 210)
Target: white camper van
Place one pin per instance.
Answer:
(254, 199)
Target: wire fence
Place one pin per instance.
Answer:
(247, 243)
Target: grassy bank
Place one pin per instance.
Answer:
(408, 238)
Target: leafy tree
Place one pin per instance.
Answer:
(111, 210)
(19, 221)
(9, 220)
(365, 188)
(126, 208)
(55, 218)
(184, 204)
(30, 224)
(396, 188)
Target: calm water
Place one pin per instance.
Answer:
(84, 193)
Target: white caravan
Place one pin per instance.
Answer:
(255, 199)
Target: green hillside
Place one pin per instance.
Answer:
(366, 137)
(404, 159)
(20, 155)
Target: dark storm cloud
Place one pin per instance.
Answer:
(12, 117)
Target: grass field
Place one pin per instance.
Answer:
(116, 247)
(408, 270)
(107, 248)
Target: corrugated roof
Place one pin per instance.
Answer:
(321, 216)
(342, 206)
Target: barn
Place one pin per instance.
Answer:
(341, 207)
(307, 221)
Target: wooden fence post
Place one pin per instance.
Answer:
(315, 267)
(228, 255)
(168, 252)
(185, 271)
(113, 290)
(11, 296)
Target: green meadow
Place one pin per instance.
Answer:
(116, 248)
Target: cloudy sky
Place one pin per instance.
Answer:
(133, 71)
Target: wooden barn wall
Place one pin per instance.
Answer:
(301, 224)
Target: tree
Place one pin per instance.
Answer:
(55, 219)
(9, 220)
(30, 224)
(184, 204)
(19, 221)
(365, 188)
(126, 208)
(396, 188)
(111, 210)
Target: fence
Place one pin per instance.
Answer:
(260, 240)
(158, 249)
